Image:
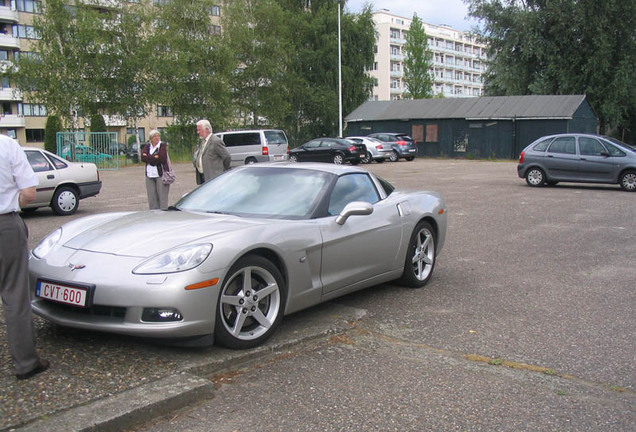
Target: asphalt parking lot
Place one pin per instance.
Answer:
(527, 324)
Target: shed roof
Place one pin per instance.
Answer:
(479, 108)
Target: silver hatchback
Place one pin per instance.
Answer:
(579, 158)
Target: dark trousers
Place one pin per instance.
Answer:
(199, 177)
(14, 288)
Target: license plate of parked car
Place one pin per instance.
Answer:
(76, 296)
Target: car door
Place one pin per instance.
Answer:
(311, 151)
(596, 164)
(47, 177)
(364, 246)
(562, 162)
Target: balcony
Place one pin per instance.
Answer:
(7, 41)
(12, 121)
(10, 94)
(8, 15)
(115, 121)
(103, 4)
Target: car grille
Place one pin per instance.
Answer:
(114, 312)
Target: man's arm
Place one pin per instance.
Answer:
(26, 196)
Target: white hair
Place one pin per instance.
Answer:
(205, 124)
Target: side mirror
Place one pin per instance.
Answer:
(359, 208)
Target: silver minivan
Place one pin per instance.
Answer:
(252, 146)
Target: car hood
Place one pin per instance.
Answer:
(144, 234)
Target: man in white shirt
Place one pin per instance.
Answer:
(17, 189)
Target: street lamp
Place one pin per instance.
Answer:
(339, 75)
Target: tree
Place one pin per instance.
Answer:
(418, 61)
(53, 126)
(257, 34)
(563, 47)
(87, 60)
(312, 76)
(189, 66)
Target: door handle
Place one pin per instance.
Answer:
(50, 176)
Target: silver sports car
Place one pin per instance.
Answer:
(228, 260)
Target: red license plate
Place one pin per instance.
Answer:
(61, 293)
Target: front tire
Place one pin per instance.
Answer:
(628, 181)
(367, 158)
(420, 257)
(338, 159)
(65, 201)
(394, 156)
(535, 177)
(251, 303)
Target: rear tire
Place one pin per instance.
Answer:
(293, 158)
(627, 181)
(338, 159)
(65, 201)
(535, 177)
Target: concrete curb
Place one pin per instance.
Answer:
(129, 407)
(173, 392)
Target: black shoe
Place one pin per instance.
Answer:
(41, 367)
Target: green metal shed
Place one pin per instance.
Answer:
(485, 127)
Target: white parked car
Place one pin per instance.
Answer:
(61, 183)
(376, 150)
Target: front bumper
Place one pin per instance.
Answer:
(120, 297)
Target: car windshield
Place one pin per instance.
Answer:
(285, 193)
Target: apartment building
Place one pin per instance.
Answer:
(26, 121)
(459, 61)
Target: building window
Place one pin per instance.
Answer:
(31, 110)
(215, 30)
(25, 32)
(34, 135)
(164, 111)
(431, 133)
(29, 6)
(32, 55)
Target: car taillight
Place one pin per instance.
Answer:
(521, 157)
(402, 143)
(379, 147)
(265, 151)
(353, 149)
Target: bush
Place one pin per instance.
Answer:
(53, 126)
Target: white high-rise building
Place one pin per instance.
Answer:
(459, 60)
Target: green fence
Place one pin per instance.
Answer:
(100, 148)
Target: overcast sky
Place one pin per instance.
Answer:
(449, 12)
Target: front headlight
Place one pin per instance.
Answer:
(175, 260)
(47, 243)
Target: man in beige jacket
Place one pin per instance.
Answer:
(212, 158)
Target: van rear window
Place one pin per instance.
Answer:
(275, 137)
